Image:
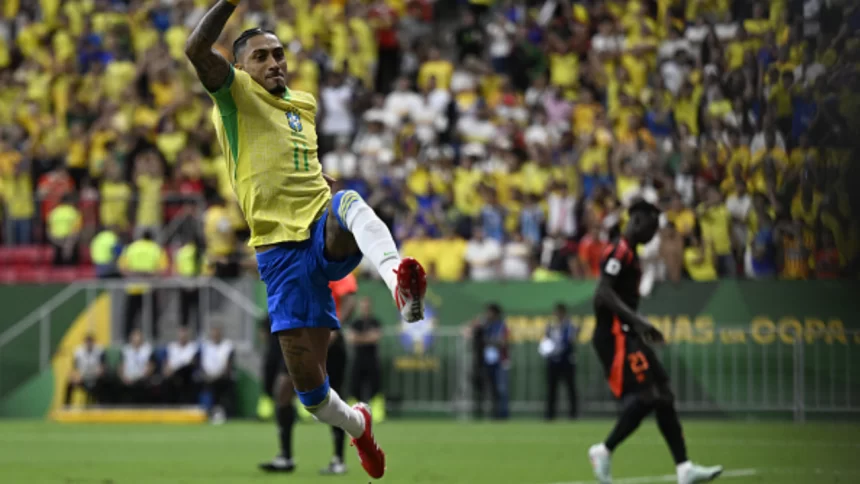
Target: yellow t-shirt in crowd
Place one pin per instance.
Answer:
(451, 261)
(714, 222)
(148, 201)
(440, 69)
(113, 209)
(218, 229)
(684, 221)
(703, 270)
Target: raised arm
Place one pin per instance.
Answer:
(212, 68)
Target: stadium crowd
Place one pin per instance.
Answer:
(496, 140)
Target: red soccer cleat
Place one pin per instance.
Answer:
(371, 456)
(411, 286)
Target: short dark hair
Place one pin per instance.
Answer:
(643, 206)
(242, 40)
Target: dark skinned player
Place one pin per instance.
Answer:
(622, 339)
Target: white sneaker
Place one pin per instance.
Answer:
(600, 459)
(689, 473)
(335, 468)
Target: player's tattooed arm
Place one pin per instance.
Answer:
(212, 68)
(606, 296)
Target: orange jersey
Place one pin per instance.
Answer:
(344, 287)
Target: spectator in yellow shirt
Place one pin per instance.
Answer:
(699, 261)
(680, 216)
(437, 68)
(220, 239)
(115, 196)
(64, 230)
(149, 201)
(714, 221)
(18, 195)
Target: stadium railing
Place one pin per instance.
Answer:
(432, 370)
(28, 346)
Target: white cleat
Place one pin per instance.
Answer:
(600, 459)
(689, 473)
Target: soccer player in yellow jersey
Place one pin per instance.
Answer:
(304, 237)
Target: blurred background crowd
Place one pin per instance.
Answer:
(498, 140)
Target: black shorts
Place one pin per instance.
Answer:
(631, 365)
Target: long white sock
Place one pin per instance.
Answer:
(336, 412)
(374, 240)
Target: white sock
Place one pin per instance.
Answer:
(374, 240)
(336, 412)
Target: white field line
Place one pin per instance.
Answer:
(666, 478)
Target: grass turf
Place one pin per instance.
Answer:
(522, 452)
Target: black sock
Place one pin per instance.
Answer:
(339, 442)
(670, 427)
(635, 410)
(286, 416)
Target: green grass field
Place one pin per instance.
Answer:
(526, 452)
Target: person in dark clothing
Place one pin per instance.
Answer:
(343, 292)
(494, 361)
(622, 340)
(469, 37)
(476, 334)
(179, 367)
(364, 335)
(558, 348)
(277, 384)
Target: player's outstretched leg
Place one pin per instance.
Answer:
(634, 411)
(405, 277)
(305, 351)
(670, 427)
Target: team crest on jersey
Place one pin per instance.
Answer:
(295, 120)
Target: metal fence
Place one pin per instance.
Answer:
(794, 370)
(791, 374)
(28, 345)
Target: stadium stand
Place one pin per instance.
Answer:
(531, 123)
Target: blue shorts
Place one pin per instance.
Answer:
(296, 275)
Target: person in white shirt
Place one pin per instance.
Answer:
(216, 361)
(136, 370)
(401, 101)
(516, 258)
(739, 204)
(484, 256)
(336, 109)
(179, 367)
(88, 371)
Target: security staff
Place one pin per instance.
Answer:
(366, 380)
(104, 250)
(557, 347)
(142, 259)
(64, 231)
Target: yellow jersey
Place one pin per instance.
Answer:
(270, 147)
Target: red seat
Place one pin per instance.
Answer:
(5, 256)
(87, 272)
(63, 274)
(31, 274)
(8, 276)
